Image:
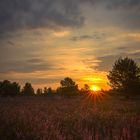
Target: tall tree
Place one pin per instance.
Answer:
(28, 89)
(67, 82)
(86, 87)
(49, 91)
(39, 92)
(68, 86)
(45, 90)
(125, 75)
(15, 88)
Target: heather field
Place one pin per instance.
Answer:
(69, 118)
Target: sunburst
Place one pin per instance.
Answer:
(95, 88)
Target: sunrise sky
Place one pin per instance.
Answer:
(43, 41)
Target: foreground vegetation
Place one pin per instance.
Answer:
(73, 118)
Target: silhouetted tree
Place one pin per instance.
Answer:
(45, 90)
(49, 91)
(28, 90)
(86, 87)
(15, 88)
(5, 88)
(39, 92)
(125, 76)
(68, 86)
(9, 89)
(67, 82)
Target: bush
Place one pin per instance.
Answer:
(9, 89)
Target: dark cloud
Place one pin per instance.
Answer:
(94, 36)
(129, 17)
(108, 60)
(132, 20)
(19, 14)
(28, 14)
(117, 13)
(124, 4)
(11, 43)
(82, 37)
(29, 65)
(129, 47)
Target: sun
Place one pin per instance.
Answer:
(94, 88)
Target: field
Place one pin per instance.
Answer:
(69, 118)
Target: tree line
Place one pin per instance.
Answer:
(124, 77)
(68, 87)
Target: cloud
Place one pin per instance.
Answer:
(26, 66)
(124, 4)
(94, 36)
(54, 14)
(123, 14)
(127, 12)
(28, 14)
(107, 61)
(82, 37)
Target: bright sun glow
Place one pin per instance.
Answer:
(94, 88)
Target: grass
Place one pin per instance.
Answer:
(75, 118)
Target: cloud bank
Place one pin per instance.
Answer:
(28, 14)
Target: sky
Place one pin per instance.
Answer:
(44, 41)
